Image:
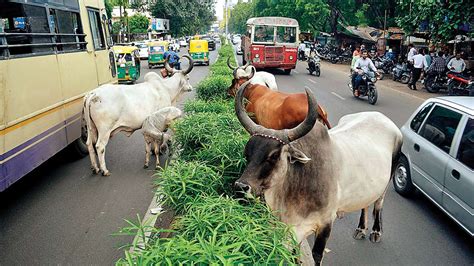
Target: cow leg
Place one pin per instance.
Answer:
(361, 230)
(322, 237)
(376, 234)
(92, 155)
(100, 146)
(147, 153)
(156, 148)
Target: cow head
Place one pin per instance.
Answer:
(240, 75)
(182, 75)
(270, 152)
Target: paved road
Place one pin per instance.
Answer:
(62, 214)
(415, 231)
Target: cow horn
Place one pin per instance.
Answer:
(250, 125)
(191, 64)
(230, 65)
(285, 134)
(167, 66)
(252, 72)
(309, 121)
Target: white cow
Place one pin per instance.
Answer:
(110, 109)
(242, 74)
(154, 128)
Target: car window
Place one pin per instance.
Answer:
(466, 146)
(440, 127)
(420, 117)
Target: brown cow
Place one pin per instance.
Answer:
(278, 110)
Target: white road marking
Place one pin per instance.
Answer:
(312, 81)
(338, 96)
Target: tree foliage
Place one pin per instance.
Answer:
(239, 15)
(186, 17)
(138, 24)
(108, 9)
(442, 19)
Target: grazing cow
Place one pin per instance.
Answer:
(242, 74)
(154, 128)
(110, 109)
(278, 110)
(310, 175)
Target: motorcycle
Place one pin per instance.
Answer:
(459, 86)
(384, 65)
(314, 65)
(401, 73)
(366, 87)
(435, 81)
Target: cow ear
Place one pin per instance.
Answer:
(297, 155)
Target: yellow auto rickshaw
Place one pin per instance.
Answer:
(199, 51)
(128, 63)
(156, 51)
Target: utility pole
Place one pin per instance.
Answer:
(226, 29)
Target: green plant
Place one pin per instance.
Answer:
(182, 182)
(214, 87)
(201, 106)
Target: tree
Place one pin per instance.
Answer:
(116, 26)
(138, 24)
(239, 16)
(441, 19)
(108, 9)
(186, 17)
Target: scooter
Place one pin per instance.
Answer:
(314, 65)
(401, 73)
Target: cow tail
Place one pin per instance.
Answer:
(89, 123)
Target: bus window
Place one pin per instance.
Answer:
(286, 34)
(96, 29)
(23, 18)
(264, 33)
(66, 23)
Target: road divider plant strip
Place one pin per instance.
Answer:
(211, 226)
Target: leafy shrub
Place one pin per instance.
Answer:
(214, 87)
(223, 70)
(201, 106)
(182, 182)
(219, 230)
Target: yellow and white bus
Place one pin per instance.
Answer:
(52, 52)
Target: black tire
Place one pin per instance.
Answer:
(405, 79)
(79, 147)
(393, 77)
(381, 75)
(402, 178)
(318, 72)
(372, 94)
(429, 84)
(333, 60)
(287, 71)
(451, 89)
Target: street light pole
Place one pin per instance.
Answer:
(226, 29)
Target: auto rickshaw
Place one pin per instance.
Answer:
(128, 63)
(156, 51)
(199, 51)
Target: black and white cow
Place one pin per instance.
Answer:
(310, 175)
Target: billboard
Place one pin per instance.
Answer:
(160, 24)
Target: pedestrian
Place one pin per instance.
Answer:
(390, 54)
(457, 64)
(411, 53)
(419, 64)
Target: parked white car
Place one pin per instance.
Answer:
(438, 157)
(143, 50)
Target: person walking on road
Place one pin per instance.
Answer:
(419, 64)
(411, 53)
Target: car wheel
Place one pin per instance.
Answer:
(402, 178)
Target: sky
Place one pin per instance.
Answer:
(220, 8)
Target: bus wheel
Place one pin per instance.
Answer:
(288, 71)
(79, 147)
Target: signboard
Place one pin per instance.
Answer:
(160, 24)
(19, 23)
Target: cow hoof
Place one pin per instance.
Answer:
(360, 234)
(145, 166)
(95, 171)
(105, 173)
(375, 237)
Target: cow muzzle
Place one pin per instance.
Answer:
(243, 189)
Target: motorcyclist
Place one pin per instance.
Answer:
(457, 64)
(173, 61)
(361, 66)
